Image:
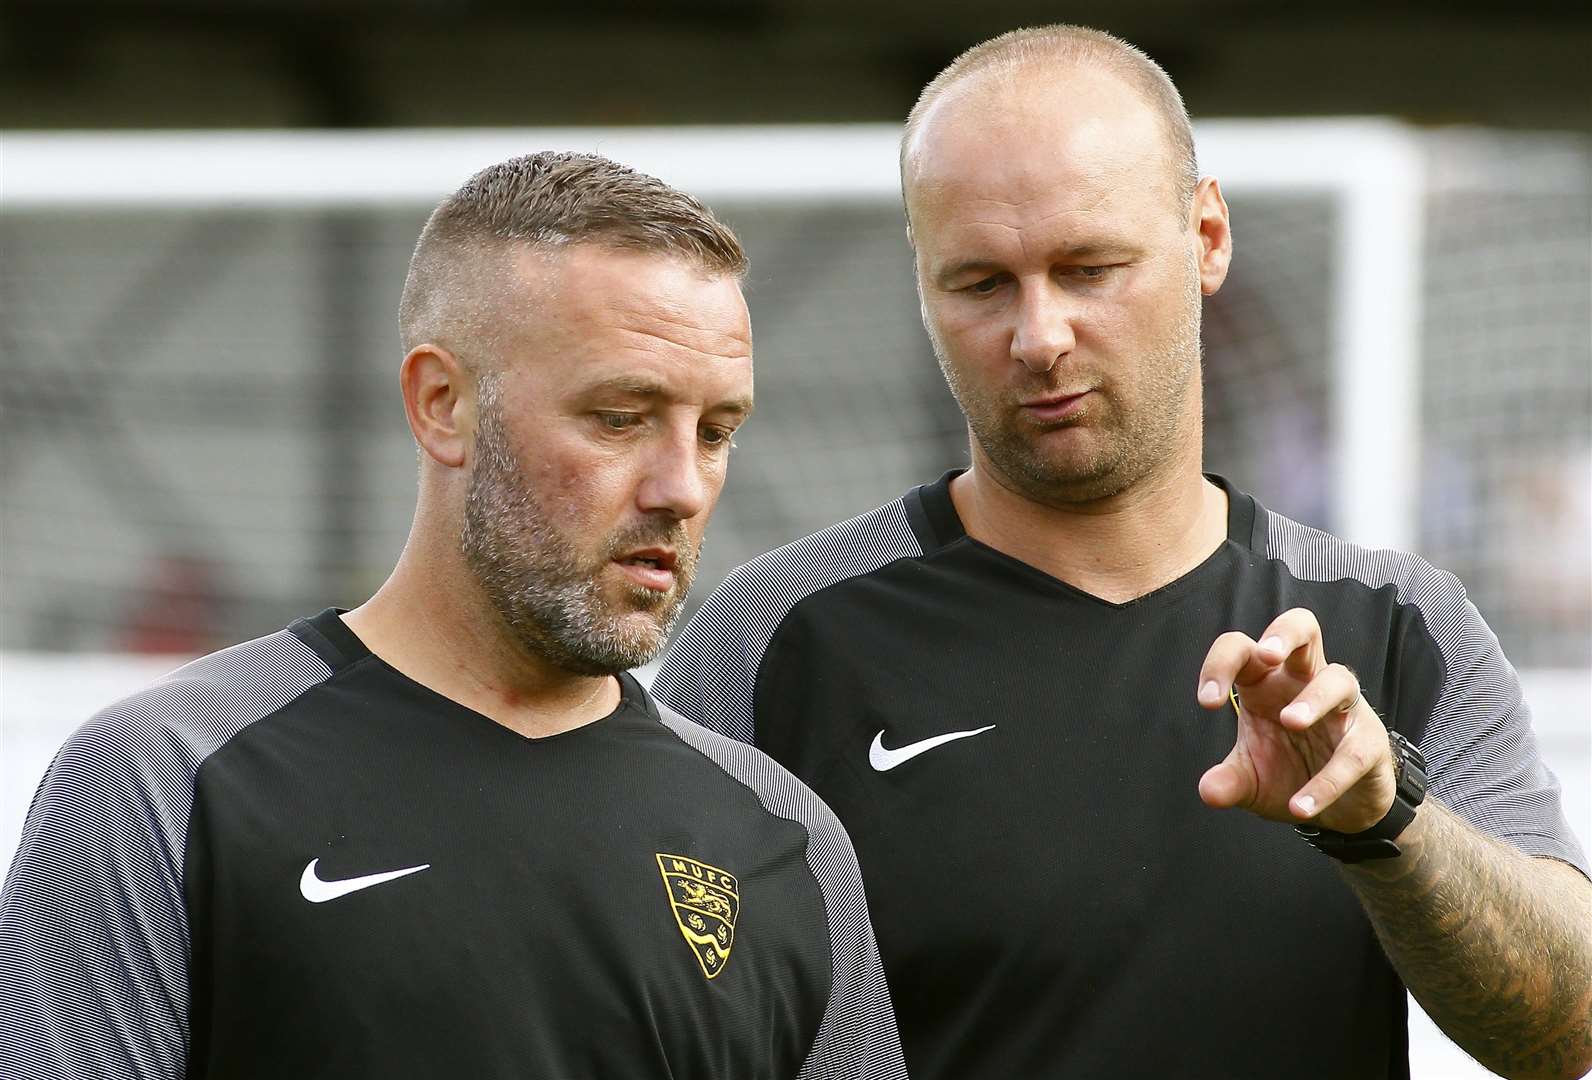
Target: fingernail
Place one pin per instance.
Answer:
(1296, 712)
(1272, 644)
(1210, 691)
(1307, 806)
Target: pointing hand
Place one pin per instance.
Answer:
(1308, 745)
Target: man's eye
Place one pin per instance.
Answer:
(618, 421)
(1091, 273)
(716, 436)
(986, 286)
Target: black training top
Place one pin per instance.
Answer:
(1018, 765)
(289, 860)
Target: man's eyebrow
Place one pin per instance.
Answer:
(740, 405)
(638, 386)
(962, 269)
(1094, 249)
(634, 385)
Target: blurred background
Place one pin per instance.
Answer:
(200, 432)
(202, 437)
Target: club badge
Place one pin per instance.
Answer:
(705, 901)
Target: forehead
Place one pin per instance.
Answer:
(595, 312)
(1015, 149)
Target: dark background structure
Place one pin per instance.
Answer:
(336, 63)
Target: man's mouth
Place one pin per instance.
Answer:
(651, 568)
(1053, 407)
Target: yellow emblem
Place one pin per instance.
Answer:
(705, 901)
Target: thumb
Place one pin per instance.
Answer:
(1232, 783)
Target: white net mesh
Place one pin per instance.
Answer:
(1506, 398)
(202, 436)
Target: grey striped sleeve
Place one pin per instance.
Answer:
(94, 943)
(1480, 752)
(857, 1038)
(710, 672)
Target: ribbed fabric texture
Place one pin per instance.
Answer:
(1480, 752)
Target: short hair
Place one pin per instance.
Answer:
(1034, 46)
(544, 201)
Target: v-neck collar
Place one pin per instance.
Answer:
(337, 644)
(937, 526)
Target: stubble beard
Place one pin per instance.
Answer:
(546, 594)
(1128, 445)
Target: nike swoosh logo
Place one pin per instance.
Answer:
(884, 760)
(317, 891)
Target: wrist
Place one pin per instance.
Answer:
(1380, 841)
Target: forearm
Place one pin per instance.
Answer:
(1494, 944)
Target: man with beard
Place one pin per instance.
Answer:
(1026, 688)
(445, 834)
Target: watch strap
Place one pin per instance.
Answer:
(1380, 841)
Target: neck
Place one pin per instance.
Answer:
(431, 622)
(1116, 548)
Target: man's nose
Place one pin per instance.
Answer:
(1043, 334)
(673, 479)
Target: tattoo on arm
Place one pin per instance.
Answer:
(1494, 944)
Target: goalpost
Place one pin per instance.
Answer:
(1372, 171)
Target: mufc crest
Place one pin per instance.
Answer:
(705, 901)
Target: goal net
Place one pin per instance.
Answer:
(203, 438)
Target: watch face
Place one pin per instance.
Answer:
(1409, 769)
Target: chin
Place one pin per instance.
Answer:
(642, 632)
(615, 653)
(1065, 482)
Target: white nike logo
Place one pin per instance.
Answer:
(317, 891)
(884, 760)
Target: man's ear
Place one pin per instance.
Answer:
(439, 402)
(1210, 223)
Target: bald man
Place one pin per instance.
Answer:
(1028, 688)
(446, 834)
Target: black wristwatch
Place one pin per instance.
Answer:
(1378, 842)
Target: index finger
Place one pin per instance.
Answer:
(1294, 639)
(1231, 658)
